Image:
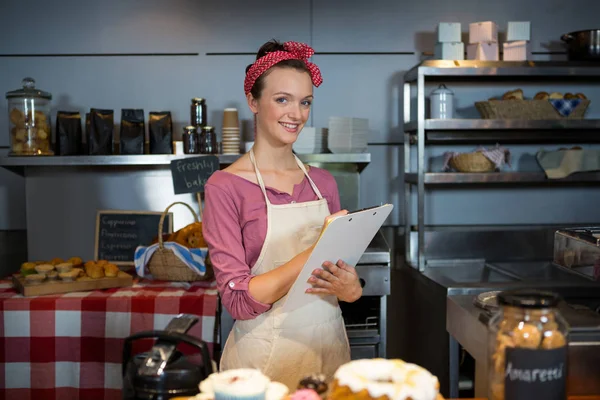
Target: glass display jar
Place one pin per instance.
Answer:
(208, 141)
(29, 120)
(528, 347)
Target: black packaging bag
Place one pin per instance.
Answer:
(69, 135)
(133, 131)
(160, 132)
(100, 139)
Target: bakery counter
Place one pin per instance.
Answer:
(467, 324)
(70, 346)
(419, 300)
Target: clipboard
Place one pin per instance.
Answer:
(344, 238)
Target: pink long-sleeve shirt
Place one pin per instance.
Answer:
(235, 227)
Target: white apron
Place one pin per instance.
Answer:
(312, 339)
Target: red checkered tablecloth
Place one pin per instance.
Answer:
(69, 346)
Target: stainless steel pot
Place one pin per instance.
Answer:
(583, 45)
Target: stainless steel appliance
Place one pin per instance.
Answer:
(578, 250)
(365, 319)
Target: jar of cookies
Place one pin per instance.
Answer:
(29, 120)
(528, 347)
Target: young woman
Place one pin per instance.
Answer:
(262, 217)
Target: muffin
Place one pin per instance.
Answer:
(64, 267)
(52, 275)
(44, 268)
(28, 268)
(236, 384)
(111, 270)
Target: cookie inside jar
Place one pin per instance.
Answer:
(528, 342)
(29, 120)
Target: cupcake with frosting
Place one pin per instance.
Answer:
(236, 384)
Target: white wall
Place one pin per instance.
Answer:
(355, 85)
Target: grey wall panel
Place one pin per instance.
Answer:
(243, 26)
(134, 26)
(77, 195)
(393, 25)
(364, 87)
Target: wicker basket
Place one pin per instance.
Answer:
(164, 265)
(472, 162)
(526, 109)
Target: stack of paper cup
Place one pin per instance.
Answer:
(231, 131)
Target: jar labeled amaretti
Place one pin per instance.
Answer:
(528, 347)
(29, 120)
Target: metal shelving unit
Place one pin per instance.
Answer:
(18, 164)
(422, 131)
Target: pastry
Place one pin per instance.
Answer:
(305, 394)
(79, 271)
(68, 276)
(52, 275)
(64, 267)
(56, 261)
(541, 96)
(189, 236)
(569, 96)
(111, 270)
(101, 262)
(581, 96)
(243, 383)
(95, 271)
(383, 379)
(513, 95)
(28, 268)
(316, 382)
(555, 96)
(76, 261)
(44, 268)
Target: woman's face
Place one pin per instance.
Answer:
(284, 105)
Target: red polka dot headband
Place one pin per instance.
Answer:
(293, 51)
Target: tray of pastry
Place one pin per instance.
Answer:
(73, 275)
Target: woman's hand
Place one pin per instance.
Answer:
(340, 280)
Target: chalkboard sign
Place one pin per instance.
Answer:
(190, 174)
(119, 232)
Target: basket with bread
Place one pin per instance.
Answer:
(543, 106)
(180, 256)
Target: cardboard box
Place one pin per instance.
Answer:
(449, 32)
(516, 51)
(518, 31)
(487, 51)
(450, 51)
(480, 32)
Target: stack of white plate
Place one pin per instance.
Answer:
(311, 141)
(348, 135)
(231, 132)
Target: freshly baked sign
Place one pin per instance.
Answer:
(119, 232)
(190, 174)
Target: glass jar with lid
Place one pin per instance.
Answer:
(528, 347)
(29, 120)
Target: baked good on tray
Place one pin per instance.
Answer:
(383, 379)
(69, 271)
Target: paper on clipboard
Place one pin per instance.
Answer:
(345, 238)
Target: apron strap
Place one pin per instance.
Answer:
(259, 178)
(261, 183)
(312, 184)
